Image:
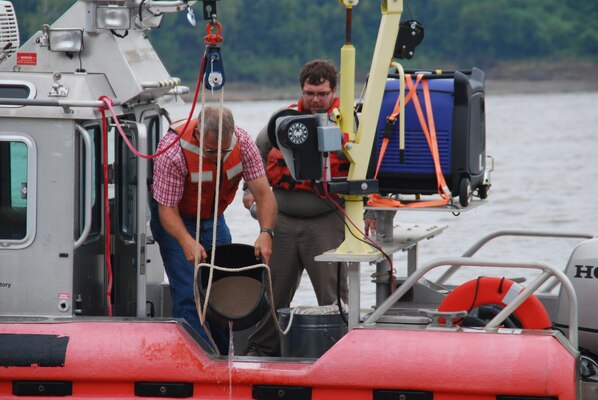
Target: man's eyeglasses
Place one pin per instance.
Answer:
(208, 150)
(321, 95)
(214, 151)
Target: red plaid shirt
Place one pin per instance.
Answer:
(170, 168)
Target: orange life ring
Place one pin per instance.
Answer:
(500, 291)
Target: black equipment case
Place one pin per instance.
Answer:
(459, 114)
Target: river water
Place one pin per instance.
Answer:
(545, 176)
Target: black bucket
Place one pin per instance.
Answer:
(311, 335)
(239, 297)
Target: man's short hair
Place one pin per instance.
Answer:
(317, 71)
(212, 121)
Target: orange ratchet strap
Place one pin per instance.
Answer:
(429, 129)
(390, 123)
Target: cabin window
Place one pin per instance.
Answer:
(126, 181)
(128, 189)
(152, 124)
(16, 90)
(17, 190)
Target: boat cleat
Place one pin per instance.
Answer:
(443, 319)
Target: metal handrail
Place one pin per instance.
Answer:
(53, 103)
(509, 232)
(88, 185)
(165, 83)
(547, 271)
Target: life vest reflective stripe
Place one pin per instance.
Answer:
(278, 172)
(230, 176)
(500, 291)
(234, 170)
(206, 176)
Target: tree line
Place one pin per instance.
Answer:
(267, 41)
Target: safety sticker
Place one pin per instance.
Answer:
(512, 293)
(64, 296)
(26, 58)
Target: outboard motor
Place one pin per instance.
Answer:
(582, 270)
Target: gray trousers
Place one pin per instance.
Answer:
(296, 242)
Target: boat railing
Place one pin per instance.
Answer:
(173, 82)
(547, 271)
(512, 232)
(65, 104)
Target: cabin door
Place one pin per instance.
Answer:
(129, 217)
(89, 270)
(157, 290)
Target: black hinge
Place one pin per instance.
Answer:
(267, 392)
(209, 9)
(164, 389)
(384, 394)
(42, 388)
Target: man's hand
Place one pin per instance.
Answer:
(370, 226)
(263, 246)
(266, 214)
(248, 199)
(189, 247)
(173, 224)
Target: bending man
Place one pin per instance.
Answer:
(175, 205)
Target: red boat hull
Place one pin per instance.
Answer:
(106, 359)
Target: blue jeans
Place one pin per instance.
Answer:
(180, 271)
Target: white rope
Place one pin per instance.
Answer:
(200, 175)
(302, 310)
(218, 172)
(305, 310)
(290, 323)
(204, 308)
(239, 269)
(201, 310)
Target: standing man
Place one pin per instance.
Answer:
(307, 225)
(175, 205)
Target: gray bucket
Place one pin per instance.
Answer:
(311, 335)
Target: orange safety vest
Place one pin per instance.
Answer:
(278, 172)
(230, 176)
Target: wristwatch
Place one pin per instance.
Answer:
(268, 231)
